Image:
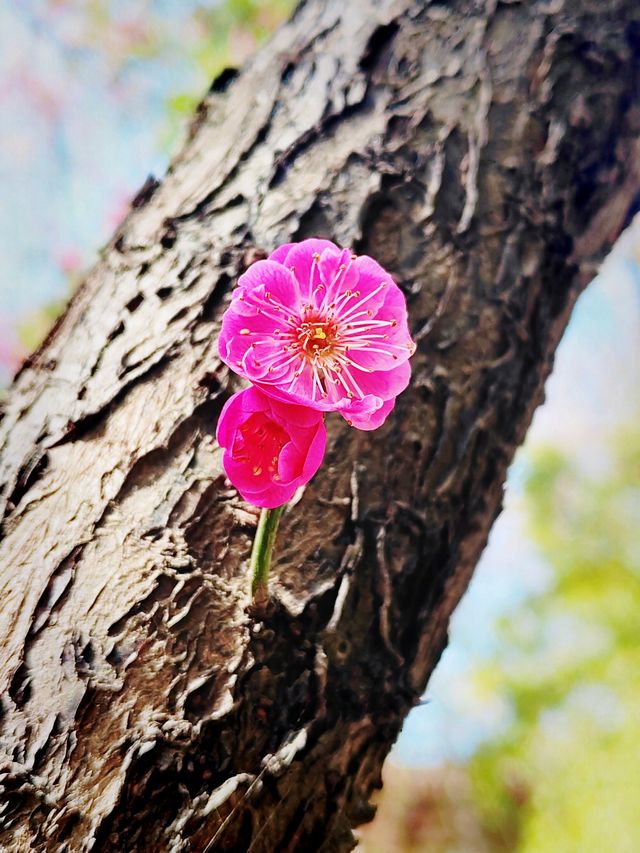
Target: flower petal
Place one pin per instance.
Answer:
(270, 279)
(290, 463)
(288, 413)
(228, 420)
(281, 252)
(337, 273)
(315, 452)
(268, 454)
(300, 259)
(385, 383)
(373, 420)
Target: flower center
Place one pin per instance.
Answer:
(317, 338)
(259, 441)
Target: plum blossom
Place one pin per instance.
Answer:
(320, 327)
(270, 447)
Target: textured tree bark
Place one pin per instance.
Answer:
(487, 153)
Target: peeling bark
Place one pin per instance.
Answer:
(488, 155)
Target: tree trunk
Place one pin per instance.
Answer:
(487, 154)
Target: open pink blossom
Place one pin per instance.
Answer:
(321, 327)
(271, 448)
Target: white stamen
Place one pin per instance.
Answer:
(364, 300)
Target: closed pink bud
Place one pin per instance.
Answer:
(270, 447)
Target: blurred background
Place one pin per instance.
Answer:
(530, 739)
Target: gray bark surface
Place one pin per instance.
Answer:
(488, 154)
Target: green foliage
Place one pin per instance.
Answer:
(36, 325)
(565, 775)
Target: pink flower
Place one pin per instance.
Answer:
(271, 448)
(320, 327)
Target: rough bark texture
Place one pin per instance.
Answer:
(487, 153)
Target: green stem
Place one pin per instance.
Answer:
(262, 550)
